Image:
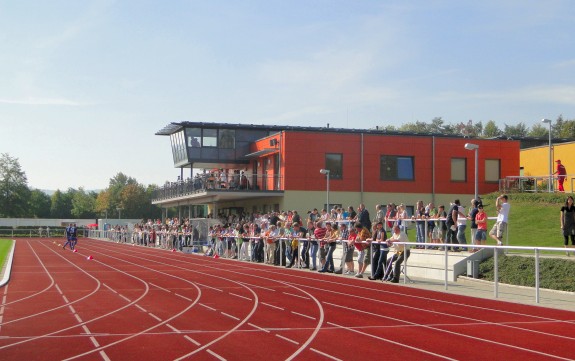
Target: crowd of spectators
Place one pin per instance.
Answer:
(309, 241)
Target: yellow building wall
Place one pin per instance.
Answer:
(535, 161)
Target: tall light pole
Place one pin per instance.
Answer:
(119, 212)
(475, 147)
(550, 156)
(326, 172)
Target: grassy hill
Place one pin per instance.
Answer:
(534, 221)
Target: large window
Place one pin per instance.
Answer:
(492, 170)
(222, 138)
(178, 147)
(227, 139)
(194, 137)
(210, 138)
(334, 163)
(458, 169)
(396, 168)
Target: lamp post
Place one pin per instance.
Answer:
(550, 156)
(475, 147)
(119, 212)
(326, 172)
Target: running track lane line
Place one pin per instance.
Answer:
(86, 322)
(297, 352)
(53, 284)
(481, 322)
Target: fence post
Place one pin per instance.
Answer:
(495, 272)
(446, 265)
(537, 275)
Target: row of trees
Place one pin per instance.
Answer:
(17, 200)
(560, 128)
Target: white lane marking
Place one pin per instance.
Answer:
(173, 328)
(208, 307)
(184, 297)
(230, 316)
(393, 342)
(302, 315)
(78, 318)
(155, 317)
(58, 289)
(125, 298)
(215, 355)
(65, 299)
(325, 354)
(104, 356)
(141, 308)
(240, 296)
(162, 288)
(287, 339)
(212, 288)
(294, 295)
(272, 306)
(94, 342)
(191, 340)
(110, 288)
(259, 328)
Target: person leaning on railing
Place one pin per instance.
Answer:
(401, 253)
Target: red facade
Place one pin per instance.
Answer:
(302, 154)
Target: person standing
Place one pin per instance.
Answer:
(379, 258)
(561, 174)
(502, 218)
(480, 234)
(451, 223)
(472, 214)
(568, 222)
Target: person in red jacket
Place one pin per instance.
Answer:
(561, 174)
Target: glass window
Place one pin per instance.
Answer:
(334, 163)
(458, 169)
(227, 139)
(394, 167)
(194, 136)
(178, 147)
(210, 138)
(492, 170)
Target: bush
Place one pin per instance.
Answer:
(555, 274)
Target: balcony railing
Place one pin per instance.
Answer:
(534, 183)
(205, 183)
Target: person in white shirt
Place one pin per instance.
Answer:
(500, 226)
(401, 253)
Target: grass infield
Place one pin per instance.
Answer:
(5, 246)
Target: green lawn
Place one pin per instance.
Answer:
(5, 247)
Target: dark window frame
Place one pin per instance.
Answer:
(393, 174)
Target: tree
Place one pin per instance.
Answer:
(14, 191)
(519, 130)
(83, 204)
(491, 130)
(538, 130)
(39, 204)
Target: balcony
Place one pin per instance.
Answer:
(204, 188)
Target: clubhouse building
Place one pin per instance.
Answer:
(232, 168)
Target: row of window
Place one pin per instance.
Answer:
(220, 138)
(401, 168)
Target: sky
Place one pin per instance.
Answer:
(85, 85)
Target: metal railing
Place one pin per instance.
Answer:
(532, 183)
(206, 182)
(219, 246)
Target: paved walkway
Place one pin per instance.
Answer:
(477, 288)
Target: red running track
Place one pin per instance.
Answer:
(135, 303)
